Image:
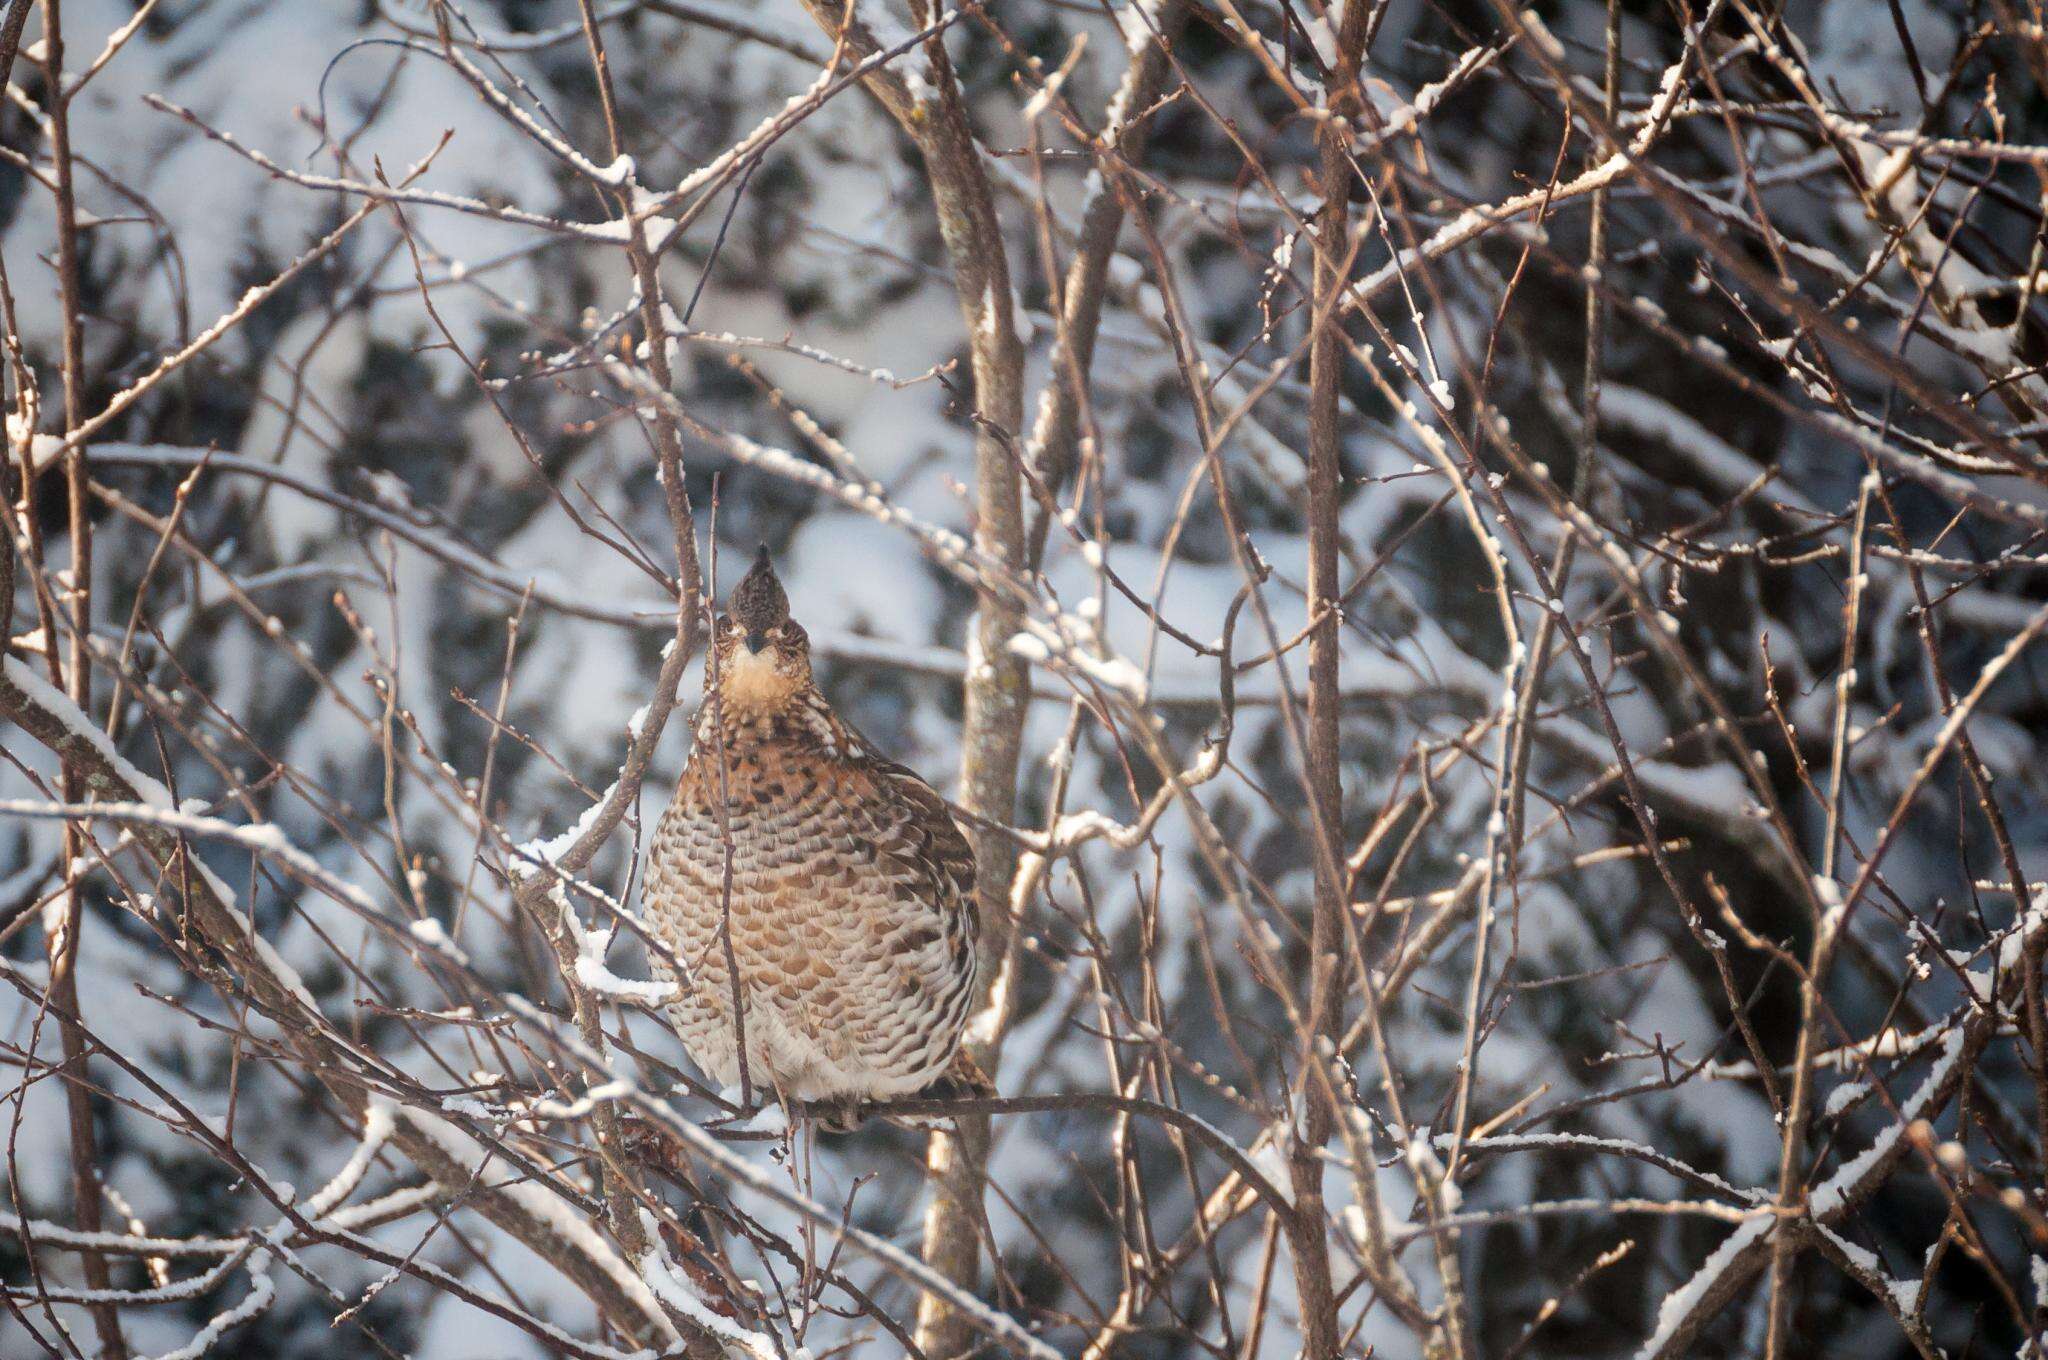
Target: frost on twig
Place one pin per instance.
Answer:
(1473, 574)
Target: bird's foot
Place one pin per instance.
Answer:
(963, 1079)
(844, 1114)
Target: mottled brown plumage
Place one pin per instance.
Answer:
(851, 909)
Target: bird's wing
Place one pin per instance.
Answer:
(930, 835)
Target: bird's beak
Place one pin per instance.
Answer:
(755, 642)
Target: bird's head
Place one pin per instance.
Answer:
(763, 655)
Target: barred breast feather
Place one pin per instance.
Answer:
(849, 907)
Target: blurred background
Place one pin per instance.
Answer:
(386, 565)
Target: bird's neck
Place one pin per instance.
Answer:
(799, 715)
(751, 680)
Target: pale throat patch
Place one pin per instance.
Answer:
(747, 680)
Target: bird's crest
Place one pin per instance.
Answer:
(758, 602)
(761, 662)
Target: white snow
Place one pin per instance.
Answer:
(592, 973)
(1678, 1304)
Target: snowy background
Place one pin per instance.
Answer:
(426, 572)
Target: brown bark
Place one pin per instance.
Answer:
(1307, 1241)
(64, 919)
(934, 115)
(1055, 430)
